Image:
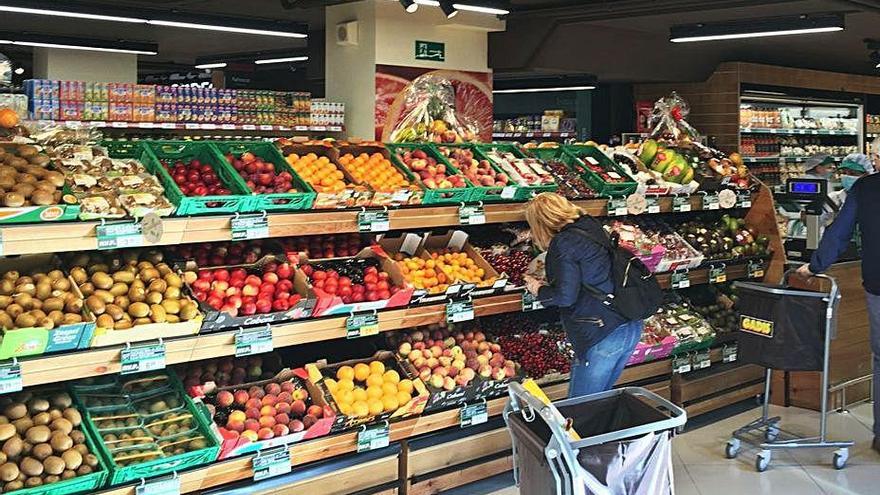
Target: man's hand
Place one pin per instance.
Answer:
(532, 284)
(804, 271)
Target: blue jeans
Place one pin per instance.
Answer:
(601, 366)
(874, 320)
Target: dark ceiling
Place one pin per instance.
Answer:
(617, 40)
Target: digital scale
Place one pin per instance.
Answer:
(803, 202)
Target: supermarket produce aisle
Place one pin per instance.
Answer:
(702, 469)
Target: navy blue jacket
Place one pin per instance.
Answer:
(860, 208)
(574, 260)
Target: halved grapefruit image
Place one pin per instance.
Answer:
(387, 89)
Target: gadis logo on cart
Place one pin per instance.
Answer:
(756, 326)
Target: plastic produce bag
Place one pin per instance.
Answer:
(432, 116)
(668, 120)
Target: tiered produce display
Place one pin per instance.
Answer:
(278, 339)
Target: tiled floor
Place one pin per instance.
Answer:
(702, 469)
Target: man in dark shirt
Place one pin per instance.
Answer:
(860, 209)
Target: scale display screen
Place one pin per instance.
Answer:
(804, 187)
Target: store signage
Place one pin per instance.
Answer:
(756, 269)
(141, 358)
(653, 204)
(681, 203)
(471, 215)
(372, 438)
(729, 352)
(681, 363)
(530, 302)
(711, 202)
(159, 486)
(250, 227)
(361, 325)
(459, 311)
(617, 207)
(119, 235)
(744, 200)
(10, 377)
(702, 359)
(430, 50)
(757, 326)
(717, 274)
(152, 227)
(253, 341)
(373, 221)
(680, 280)
(508, 192)
(271, 462)
(474, 414)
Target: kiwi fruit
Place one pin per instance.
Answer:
(136, 293)
(138, 310)
(55, 465)
(158, 285)
(122, 325)
(60, 442)
(188, 311)
(38, 434)
(141, 321)
(104, 295)
(171, 306)
(41, 451)
(9, 471)
(37, 405)
(153, 298)
(73, 415)
(157, 313)
(13, 199)
(43, 418)
(13, 486)
(119, 289)
(95, 305)
(13, 310)
(122, 302)
(123, 276)
(6, 431)
(14, 411)
(31, 466)
(105, 321)
(53, 304)
(169, 318)
(62, 425)
(173, 280)
(25, 320)
(68, 474)
(33, 481)
(84, 470)
(102, 280)
(79, 275)
(22, 425)
(78, 437)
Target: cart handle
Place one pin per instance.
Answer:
(832, 294)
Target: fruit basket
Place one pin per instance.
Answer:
(318, 164)
(241, 296)
(359, 390)
(430, 168)
(528, 174)
(67, 327)
(70, 445)
(372, 167)
(602, 174)
(568, 172)
(159, 158)
(171, 435)
(282, 189)
(282, 410)
(490, 183)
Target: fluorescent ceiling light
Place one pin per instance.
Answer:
(218, 65)
(480, 9)
(280, 60)
(79, 47)
(226, 29)
(409, 5)
(65, 13)
(541, 90)
(758, 34)
(73, 43)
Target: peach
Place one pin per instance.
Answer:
(437, 381)
(235, 425)
(268, 411)
(269, 400)
(237, 416)
(273, 389)
(225, 398)
(308, 420)
(282, 418)
(415, 354)
(288, 387)
(282, 408)
(405, 349)
(448, 383)
(253, 404)
(285, 397)
(252, 413)
(241, 397)
(300, 394)
(256, 392)
(267, 421)
(296, 425)
(280, 430)
(250, 435)
(315, 411)
(298, 408)
(252, 425)
(265, 434)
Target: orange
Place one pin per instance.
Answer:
(389, 403)
(391, 376)
(359, 394)
(360, 409)
(8, 118)
(389, 389)
(405, 385)
(361, 372)
(345, 373)
(375, 379)
(377, 368)
(403, 398)
(344, 397)
(331, 385)
(375, 406)
(345, 384)
(374, 391)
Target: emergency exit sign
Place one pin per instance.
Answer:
(430, 50)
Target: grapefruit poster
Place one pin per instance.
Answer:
(473, 97)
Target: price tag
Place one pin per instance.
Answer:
(250, 227)
(191, 126)
(681, 363)
(756, 269)
(168, 125)
(530, 302)
(681, 203)
(471, 215)
(145, 125)
(728, 353)
(141, 358)
(159, 486)
(372, 438)
(680, 280)
(508, 192)
(459, 311)
(249, 127)
(119, 235)
(271, 462)
(744, 200)
(702, 359)
(253, 341)
(710, 202)
(362, 325)
(10, 377)
(119, 125)
(373, 221)
(617, 207)
(717, 274)
(653, 204)
(266, 127)
(227, 127)
(209, 127)
(474, 414)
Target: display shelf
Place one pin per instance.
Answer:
(188, 126)
(789, 159)
(808, 132)
(81, 236)
(533, 134)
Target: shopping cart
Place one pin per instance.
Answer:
(786, 329)
(622, 447)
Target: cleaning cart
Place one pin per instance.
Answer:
(611, 443)
(789, 329)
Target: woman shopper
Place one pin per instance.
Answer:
(603, 340)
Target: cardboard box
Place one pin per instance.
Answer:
(411, 195)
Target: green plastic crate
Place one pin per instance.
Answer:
(581, 153)
(486, 194)
(523, 193)
(568, 160)
(164, 465)
(453, 195)
(157, 151)
(275, 201)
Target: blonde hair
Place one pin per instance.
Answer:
(547, 213)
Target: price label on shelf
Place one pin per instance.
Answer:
(744, 200)
(141, 358)
(717, 274)
(167, 485)
(681, 203)
(756, 269)
(617, 207)
(680, 280)
(373, 221)
(373, 437)
(271, 462)
(474, 414)
(168, 125)
(250, 227)
(209, 127)
(10, 377)
(459, 311)
(508, 192)
(253, 341)
(119, 235)
(729, 352)
(653, 204)
(702, 360)
(146, 125)
(249, 127)
(362, 325)
(227, 127)
(471, 215)
(530, 302)
(711, 202)
(191, 126)
(681, 363)
(266, 127)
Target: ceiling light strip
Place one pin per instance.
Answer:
(81, 47)
(217, 65)
(77, 15)
(226, 29)
(758, 34)
(280, 60)
(539, 90)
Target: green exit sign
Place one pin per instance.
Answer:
(430, 50)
